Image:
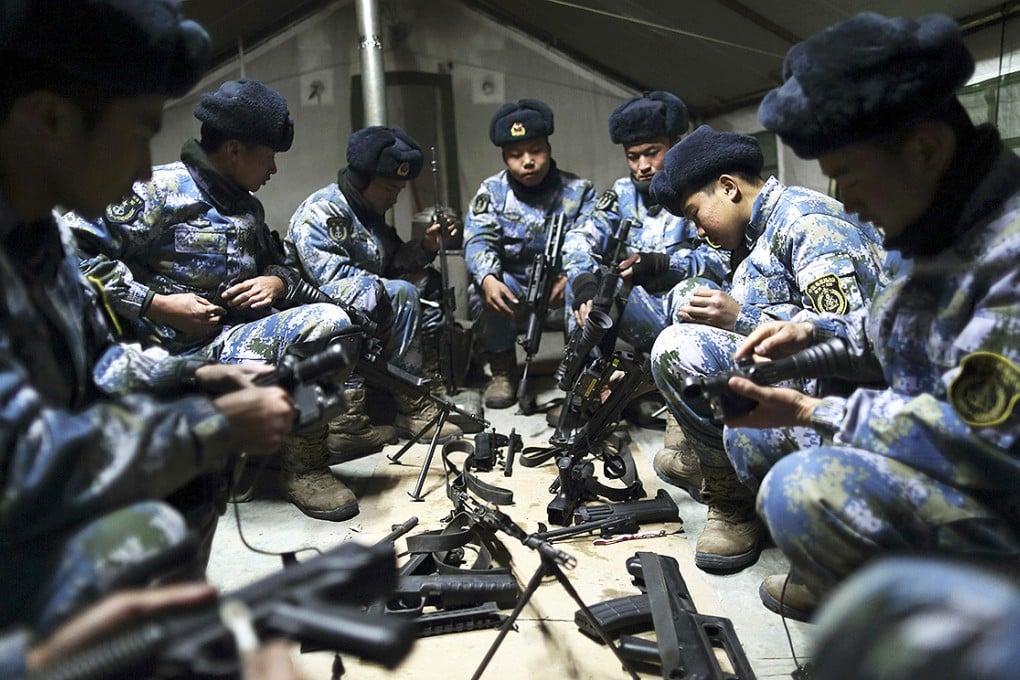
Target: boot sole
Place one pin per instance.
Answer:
(727, 564)
(425, 439)
(777, 607)
(500, 403)
(340, 514)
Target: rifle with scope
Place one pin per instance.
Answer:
(711, 397)
(545, 269)
(314, 374)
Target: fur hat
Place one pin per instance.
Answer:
(657, 114)
(864, 77)
(248, 111)
(516, 122)
(699, 158)
(379, 151)
(125, 46)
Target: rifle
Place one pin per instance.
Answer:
(314, 373)
(711, 396)
(544, 270)
(597, 338)
(687, 642)
(453, 340)
(316, 601)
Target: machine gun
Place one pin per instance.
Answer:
(454, 341)
(597, 338)
(711, 396)
(544, 270)
(316, 602)
(576, 480)
(314, 374)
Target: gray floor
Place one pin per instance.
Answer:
(546, 644)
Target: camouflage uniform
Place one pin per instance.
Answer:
(901, 618)
(80, 467)
(650, 307)
(502, 235)
(329, 242)
(189, 230)
(931, 463)
(805, 257)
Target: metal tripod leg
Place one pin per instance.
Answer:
(546, 568)
(438, 421)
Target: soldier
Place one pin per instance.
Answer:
(929, 464)
(507, 226)
(340, 231)
(189, 263)
(662, 249)
(86, 472)
(796, 254)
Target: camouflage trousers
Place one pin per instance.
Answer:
(494, 332)
(266, 339)
(61, 572)
(831, 509)
(686, 350)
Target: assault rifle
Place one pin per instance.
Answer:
(597, 338)
(315, 602)
(454, 341)
(687, 643)
(545, 269)
(314, 373)
(711, 396)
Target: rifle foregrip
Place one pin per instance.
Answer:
(456, 590)
(628, 614)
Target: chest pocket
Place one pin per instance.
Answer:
(199, 241)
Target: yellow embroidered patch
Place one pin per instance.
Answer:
(827, 295)
(403, 169)
(125, 211)
(986, 390)
(517, 129)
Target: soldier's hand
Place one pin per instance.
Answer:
(111, 614)
(185, 311)
(627, 266)
(557, 294)
(777, 339)
(430, 240)
(254, 293)
(260, 417)
(582, 312)
(498, 296)
(223, 378)
(712, 307)
(777, 406)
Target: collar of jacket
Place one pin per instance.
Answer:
(226, 195)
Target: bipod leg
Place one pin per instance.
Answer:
(395, 458)
(438, 420)
(546, 568)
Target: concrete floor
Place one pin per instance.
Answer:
(546, 643)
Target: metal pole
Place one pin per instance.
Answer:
(373, 75)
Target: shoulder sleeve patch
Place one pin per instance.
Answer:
(480, 204)
(827, 295)
(339, 228)
(125, 211)
(607, 201)
(986, 390)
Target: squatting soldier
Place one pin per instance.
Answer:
(796, 254)
(189, 263)
(663, 249)
(340, 231)
(93, 482)
(507, 225)
(931, 463)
